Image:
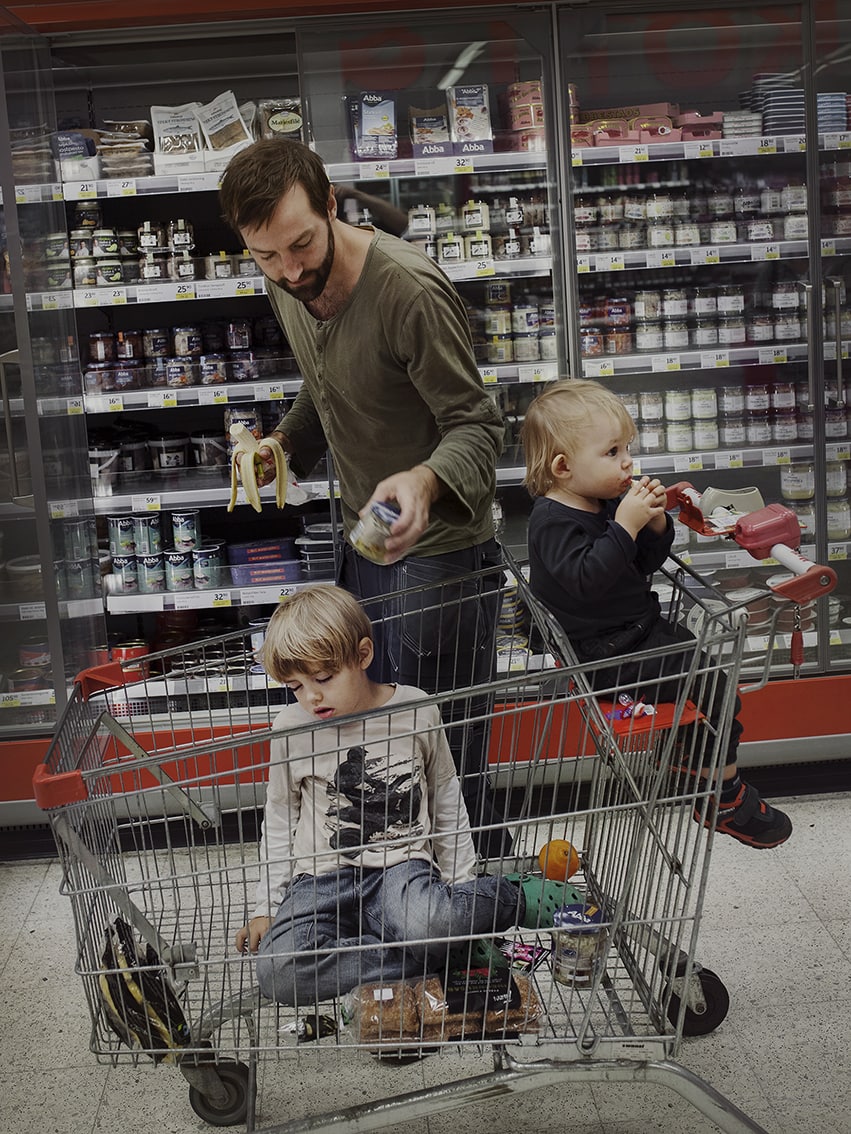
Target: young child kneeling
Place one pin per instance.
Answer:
(368, 862)
(595, 538)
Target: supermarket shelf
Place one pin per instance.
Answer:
(35, 611)
(184, 488)
(695, 255)
(756, 145)
(702, 359)
(172, 397)
(219, 599)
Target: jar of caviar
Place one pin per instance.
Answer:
(723, 232)
(218, 266)
(731, 330)
(704, 332)
(188, 340)
(720, 204)
(784, 426)
(660, 234)
(835, 422)
(793, 197)
(181, 235)
(632, 236)
(128, 344)
(704, 301)
(798, 481)
(586, 240)
(610, 210)
(592, 341)
(156, 342)
(527, 348)
(838, 518)
(706, 435)
(618, 311)
(785, 296)
(651, 405)
(659, 206)
(648, 304)
(507, 246)
(677, 405)
(630, 404)
(87, 214)
(787, 326)
(478, 246)
(731, 430)
(731, 399)
(128, 242)
(127, 374)
(85, 272)
(102, 346)
(686, 232)
(675, 334)
(758, 427)
(498, 320)
(679, 436)
(731, 299)
(649, 336)
(501, 348)
(674, 302)
(80, 242)
(584, 211)
(806, 425)
(151, 237)
(760, 327)
(180, 371)
(759, 229)
(704, 402)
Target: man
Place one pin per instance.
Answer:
(391, 388)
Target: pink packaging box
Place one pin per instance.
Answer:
(265, 574)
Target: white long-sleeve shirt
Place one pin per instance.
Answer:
(372, 792)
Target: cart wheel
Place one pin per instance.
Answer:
(717, 1006)
(234, 1109)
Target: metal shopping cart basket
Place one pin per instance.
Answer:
(154, 785)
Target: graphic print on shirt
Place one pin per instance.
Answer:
(373, 800)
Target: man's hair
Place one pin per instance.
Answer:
(318, 628)
(259, 176)
(554, 423)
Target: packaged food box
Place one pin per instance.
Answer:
(265, 574)
(262, 551)
(695, 118)
(372, 125)
(518, 93)
(669, 109)
(658, 126)
(522, 115)
(429, 131)
(469, 119)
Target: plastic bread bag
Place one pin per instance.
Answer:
(383, 1011)
(476, 1003)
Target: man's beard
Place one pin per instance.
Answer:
(313, 283)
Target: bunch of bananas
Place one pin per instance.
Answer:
(247, 466)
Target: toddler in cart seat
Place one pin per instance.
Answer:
(368, 865)
(595, 538)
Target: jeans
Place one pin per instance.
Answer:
(434, 621)
(335, 931)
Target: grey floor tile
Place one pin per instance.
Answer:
(62, 1101)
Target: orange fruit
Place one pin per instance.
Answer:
(558, 860)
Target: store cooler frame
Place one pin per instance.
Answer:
(153, 788)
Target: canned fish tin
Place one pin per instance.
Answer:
(151, 570)
(208, 565)
(178, 571)
(147, 533)
(79, 538)
(27, 680)
(80, 577)
(185, 530)
(370, 533)
(131, 655)
(125, 571)
(34, 653)
(579, 941)
(122, 538)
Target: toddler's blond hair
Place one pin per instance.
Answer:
(318, 628)
(555, 421)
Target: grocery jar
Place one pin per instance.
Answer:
(758, 427)
(782, 395)
(659, 206)
(660, 234)
(704, 402)
(835, 423)
(151, 237)
(85, 272)
(677, 405)
(109, 273)
(619, 340)
(675, 334)
(181, 235)
(610, 210)
(838, 518)
(182, 266)
(188, 340)
(674, 301)
(238, 335)
(731, 430)
(156, 342)
(704, 301)
(647, 304)
(757, 396)
(421, 221)
(784, 426)
(731, 330)
(218, 266)
(104, 243)
(153, 266)
(450, 249)
(720, 204)
(798, 481)
(723, 232)
(128, 344)
(649, 336)
(651, 405)
(704, 332)
(478, 246)
(706, 435)
(836, 478)
(686, 232)
(731, 299)
(746, 202)
(760, 327)
(679, 436)
(787, 326)
(102, 346)
(475, 216)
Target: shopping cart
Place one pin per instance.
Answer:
(154, 785)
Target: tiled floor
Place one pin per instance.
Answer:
(777, 929)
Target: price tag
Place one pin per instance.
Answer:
(766, 146)
(732, 147)
(834, 141)
(82, 190)
(87, 297)
(212, 396)
(114, 403)
(218, 684)
(538, 372)
(714, 359)
(837, 551)
(63, 509)
(698, 149)
(765, 252)
(32, 611)
(636, 466)
(794, 143)
(162, 399)
(660, 258)
(844, 141)
(275, 392)
(489, 375)
(376, 169)
(485, 268)
(149, 503)
(838, 452)
(148, 604)
(27, 194)
(192, 600)
(769, 356)
(221, 599)
(710, 255)
(665, 362)
(10, 700)
(730, 459)
(184, 291)
(583, 264)
(828, 247)
(776, 457)
(737, 559)
(198, 182)
(115, 296)
(244, 288)
(576, 157)
(610, 262)
(633, 153)
(121, 187)
(433, 167)
(49, 302)
(598, 367)
(462, 164)
(689, 462)
(74, 407)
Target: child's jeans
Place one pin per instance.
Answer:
(335, 931)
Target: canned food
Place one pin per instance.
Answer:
(185, 530)
(130, 655)
(156, 342)
(178, 571)
(126, 574)
(212, 369)
(27, 680)
(122, 539)
(147, 533)
(208, 565)
(97, 377)
(369, 535)
(151, 570)
(34, 653)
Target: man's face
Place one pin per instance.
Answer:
(296, 248)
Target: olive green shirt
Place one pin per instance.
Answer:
(390, 382)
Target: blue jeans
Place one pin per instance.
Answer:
(434, 621)
(353, 926)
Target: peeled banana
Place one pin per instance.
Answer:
(248, 448)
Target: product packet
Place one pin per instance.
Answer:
(429, 128)
(469, 120)
(221, 122)
(176, 129)
(372, 125)
(279, 118)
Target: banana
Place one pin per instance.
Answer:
(248, 447)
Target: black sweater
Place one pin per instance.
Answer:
(589, 572)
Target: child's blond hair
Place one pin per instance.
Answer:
(555, 420)
(318, 628)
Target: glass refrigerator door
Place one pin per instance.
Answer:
(693, 270)
(50, 594)
(832, 81)
(446, 135)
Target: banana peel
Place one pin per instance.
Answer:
(246, 465)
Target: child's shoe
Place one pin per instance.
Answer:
(480, 953)
(750, 819)
(543, 897)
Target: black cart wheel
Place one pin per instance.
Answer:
(717, 1006)
(233, 1110)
